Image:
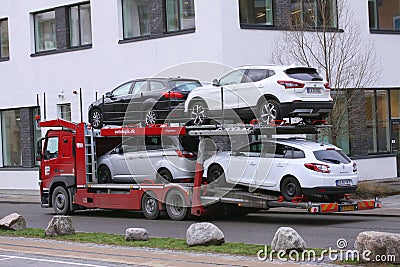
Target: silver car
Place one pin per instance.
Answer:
(150, 158)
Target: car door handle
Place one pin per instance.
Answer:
(280, 165)
(252, 163)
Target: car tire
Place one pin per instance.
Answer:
(216, 175)
(104, 175)
(268, 110)
(165, 176)
(198, 112)
(150, 116)
(60, 201)
(96, 118)
(150, 206)
(176, 206)
(290, 188)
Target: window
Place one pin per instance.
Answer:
(4, 43)
(233, 77)
(122, 90)
(332, 156)
(136, 18)
(80, 25)
(314, 13)
(64, 111)
(11, 136)
(155, 86)
(384, 15)
(256, 12)
(51, 148)
(180, 15)
(45, 31)
(140, 87)
(257, 75)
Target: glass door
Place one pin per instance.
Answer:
(396, 142)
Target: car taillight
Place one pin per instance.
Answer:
(291, 84)
(168, 95)
(185, 154)
(354, 167)
(327, 86)
(318, 167)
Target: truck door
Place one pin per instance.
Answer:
(67, 159)
(51, 162)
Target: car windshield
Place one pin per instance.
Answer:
(332, 156)
(303, 74)
(185, 86)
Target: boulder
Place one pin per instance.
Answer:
(204, 234)
(60, 225)
(374, 244)
(287, 239)
(136, 234)
(14, 221)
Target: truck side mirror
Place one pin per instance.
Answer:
(216, 82)
(39, 156)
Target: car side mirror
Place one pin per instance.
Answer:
(39, 156)
(108, 95)
(118, 150)
(235, 153)
(216, 82)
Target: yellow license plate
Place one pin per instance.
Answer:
(347, 208)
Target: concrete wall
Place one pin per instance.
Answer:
(376, 168)
(19, 179)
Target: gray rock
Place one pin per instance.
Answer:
(378, 244)
(136, 234)
(287, 239)
(14, 221)
(60, 225)
(204, 234)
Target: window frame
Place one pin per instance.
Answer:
(180, 29)
(255, 25)
(316, 26)
(35, 30)
(68, 20)
(378, 30)
(5, 58)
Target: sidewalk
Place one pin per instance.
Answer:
(390, 205)
(128, 255)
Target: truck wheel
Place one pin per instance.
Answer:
(60, 200)
(176, 206)
(216, 174)
(150, 207)
(290, 188)
(104, 175)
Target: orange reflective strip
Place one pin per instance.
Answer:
(368, 204)
(329, 207)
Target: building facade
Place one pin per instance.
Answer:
(50, 50)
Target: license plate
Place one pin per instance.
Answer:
(346, 182)
(347, 208)
(313, 90)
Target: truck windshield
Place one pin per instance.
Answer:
(51, 148)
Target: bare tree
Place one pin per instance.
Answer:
(329, 38)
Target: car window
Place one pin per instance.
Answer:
(155, 85)
(255, 75)
(304, 74)
(282, 151)
(252, 150)
(189, 143)
(122, 90)
(332, 156)
(233, 77)
(139, 87)
(184, 86)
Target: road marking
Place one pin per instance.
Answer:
(50, 261)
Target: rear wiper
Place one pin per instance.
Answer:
(316, 79)
(333, 160)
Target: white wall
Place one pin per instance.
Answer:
(376, 168)
(27, 180)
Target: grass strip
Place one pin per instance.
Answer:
(153, 242)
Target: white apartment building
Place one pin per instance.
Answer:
(50, 50)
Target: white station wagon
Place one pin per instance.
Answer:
(293, 167)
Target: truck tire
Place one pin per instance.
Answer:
(150, 207)
(290, 188)
(60, 200)
(176, 206)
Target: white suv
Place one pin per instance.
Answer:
(293, 167)
(263, 92)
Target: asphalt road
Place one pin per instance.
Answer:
(319, 231)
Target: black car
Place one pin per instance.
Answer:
(146, 101)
